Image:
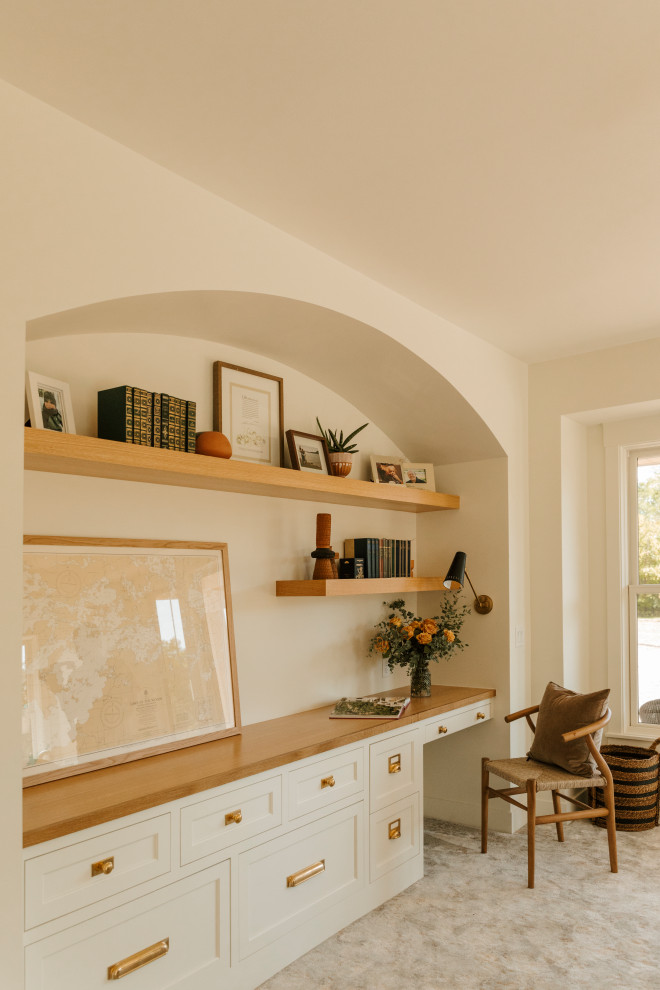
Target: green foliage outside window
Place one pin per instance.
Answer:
(648, 510)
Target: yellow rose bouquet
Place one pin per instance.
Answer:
(409, 641)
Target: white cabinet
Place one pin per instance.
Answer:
(322, 783)
(85, 873)
(394, 768)
(236, 814)
(297, 876)
(224, 887)
(175, 938)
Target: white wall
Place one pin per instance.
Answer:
(572, 630)
(452, 766)
(292, 654)
(86, 220)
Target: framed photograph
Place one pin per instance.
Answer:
(248, 407)
(308, 452)
(418, 476)
(49, 403)
(387, 470)
(128, 651)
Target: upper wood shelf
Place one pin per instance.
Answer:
(363, 586)
(66, 453)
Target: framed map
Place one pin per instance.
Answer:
(128, 651)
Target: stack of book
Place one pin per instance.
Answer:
(383, 558)
(151, 419)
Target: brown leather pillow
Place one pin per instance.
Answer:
(560, 711)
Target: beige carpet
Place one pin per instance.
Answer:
(472, 923)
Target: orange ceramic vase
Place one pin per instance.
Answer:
(212, 443)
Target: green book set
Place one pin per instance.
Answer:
(152, 419)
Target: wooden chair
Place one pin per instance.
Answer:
(530, 777)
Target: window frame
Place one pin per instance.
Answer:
(630, 568)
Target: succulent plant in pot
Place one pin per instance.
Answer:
(340, 449)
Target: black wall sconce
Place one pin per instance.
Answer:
(455, 579)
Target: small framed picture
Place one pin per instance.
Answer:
(308, 452)
(248, 407)
(387, 470)
(418, 476)
(49, 403)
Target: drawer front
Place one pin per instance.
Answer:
(289, 880)
(230, 817)
(394, 836)
(185, 927)
(453, 722)
(394, 769)
(85, 873)
(322, 784)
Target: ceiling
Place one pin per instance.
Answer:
(497, 161)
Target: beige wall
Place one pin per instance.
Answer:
(86, 220)
(574, 625)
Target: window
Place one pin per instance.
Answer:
(644, 584)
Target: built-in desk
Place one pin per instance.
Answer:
(227, 860)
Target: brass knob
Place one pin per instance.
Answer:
(328, 781)
(480, 715)
(234, 816)
(103, 866)
(442, 729)
(394, 764)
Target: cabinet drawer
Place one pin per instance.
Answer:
(394, 836)
(289, 880)
(230, 817)
(74, 876)
(453, 722)
(394, 769)
(322, 784)
(191, 915)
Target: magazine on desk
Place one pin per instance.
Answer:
(373, 706)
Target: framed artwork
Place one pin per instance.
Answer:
(387, 470)
(418, 476)
(128, 651)
(49, 403)
(248, 407)
(308, 452)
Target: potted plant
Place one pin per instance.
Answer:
(410, 641)
(340, 449)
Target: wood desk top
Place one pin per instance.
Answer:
(60, 807)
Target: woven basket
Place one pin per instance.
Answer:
(635, 772)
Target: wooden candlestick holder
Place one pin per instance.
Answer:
(325, 567)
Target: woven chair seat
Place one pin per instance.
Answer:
(548, 777)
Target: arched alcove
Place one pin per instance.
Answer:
(423, 413)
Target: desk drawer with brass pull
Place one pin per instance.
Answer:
(87, 872)
(286, 882)
(233, 815)
(440, 727)
(394, 768)
(175, 937)
(394, 836)
(319, 785)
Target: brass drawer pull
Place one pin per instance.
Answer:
(480, 715)
(310, 871)
(141, 958)
(395, 829)
(442, 729)
(103, 866)
(394, 764)
(234, 816)
(328, 781)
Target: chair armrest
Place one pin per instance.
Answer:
(522, 714)
(588, 730)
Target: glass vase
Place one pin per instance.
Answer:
(420, 680)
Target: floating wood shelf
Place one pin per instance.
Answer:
(361, 586)
(66, 453)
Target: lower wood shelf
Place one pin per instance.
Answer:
(362, 586)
